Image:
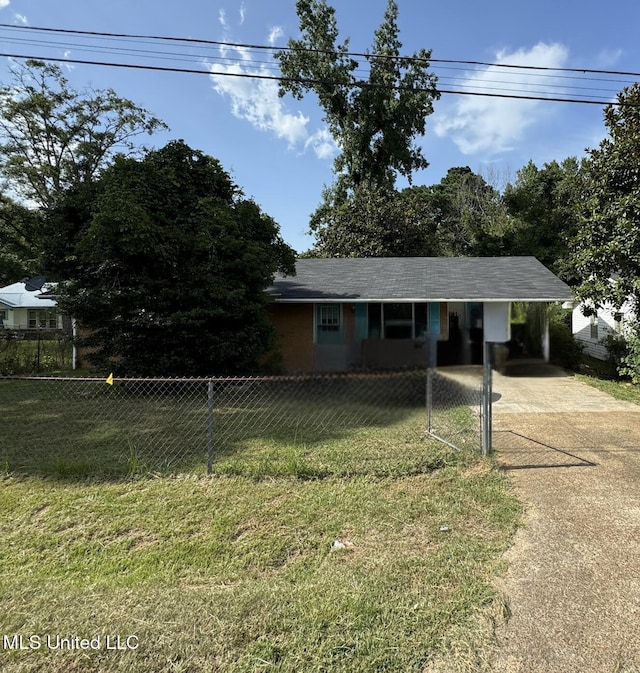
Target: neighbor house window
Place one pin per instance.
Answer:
(593, 325)
(617, 322)
(42, 318)
(3, 317)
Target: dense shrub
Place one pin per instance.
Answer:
(19, 355)
(617, 352)
(564, 349)
(624, 352)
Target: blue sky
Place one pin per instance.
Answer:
(277, 150)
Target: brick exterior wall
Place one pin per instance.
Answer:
(294, 328)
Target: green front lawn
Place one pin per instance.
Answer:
(242, 571)
(237, 574)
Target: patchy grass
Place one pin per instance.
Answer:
(239, 571)
(621, 390)
(229, 573)
(81, 428)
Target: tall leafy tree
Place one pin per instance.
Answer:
(378, 224)
(374, 121)
(607, 244)
(52, 137)
(544, 202)
(19, 230)
(470, 214)
(172, 264)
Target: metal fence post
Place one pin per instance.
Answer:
(432, 355)
(487, 393)
(210, 427)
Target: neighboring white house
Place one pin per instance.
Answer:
(591, 330)
(22, 309)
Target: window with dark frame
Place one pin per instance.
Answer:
(593, 325)
(398, 321)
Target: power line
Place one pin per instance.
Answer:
(279, 78)
(240, 45)
(272, 65)
(488, 85)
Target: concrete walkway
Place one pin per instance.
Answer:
(573, 583)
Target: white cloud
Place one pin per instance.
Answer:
(257, 100)
(4, 3)
(608, 57)
(494, 125)
(322, 143)
(275, 34)
(21, 18)
(68, 66)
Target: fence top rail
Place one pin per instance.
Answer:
(220, 379)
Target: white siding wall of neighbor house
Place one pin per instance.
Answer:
(591, 330)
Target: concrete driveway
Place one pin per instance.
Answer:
(573, 583)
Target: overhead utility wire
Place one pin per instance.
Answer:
(157, 55)
(306, 80)
(322, 51)
(271, 65)
(568, 90)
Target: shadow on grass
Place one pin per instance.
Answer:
(304, 427)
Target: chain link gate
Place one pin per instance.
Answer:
(459, 410)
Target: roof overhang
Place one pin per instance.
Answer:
(414, 300)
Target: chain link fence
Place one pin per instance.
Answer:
(307, 426)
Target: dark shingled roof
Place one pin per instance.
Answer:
(420, 278)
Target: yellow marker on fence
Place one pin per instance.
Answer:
(109, 379)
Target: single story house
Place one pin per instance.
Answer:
(377, 313)
(23, 308)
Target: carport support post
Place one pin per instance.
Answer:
(210, 427)
(486, 398)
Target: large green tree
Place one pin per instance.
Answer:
(383, 223)
(172, 264)
(470, 214)
(374, 121)
(54, 141)
(544, 204)
(607, 245)
(606, 249)
(460, 215)
(53, 137)
(20, 229)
